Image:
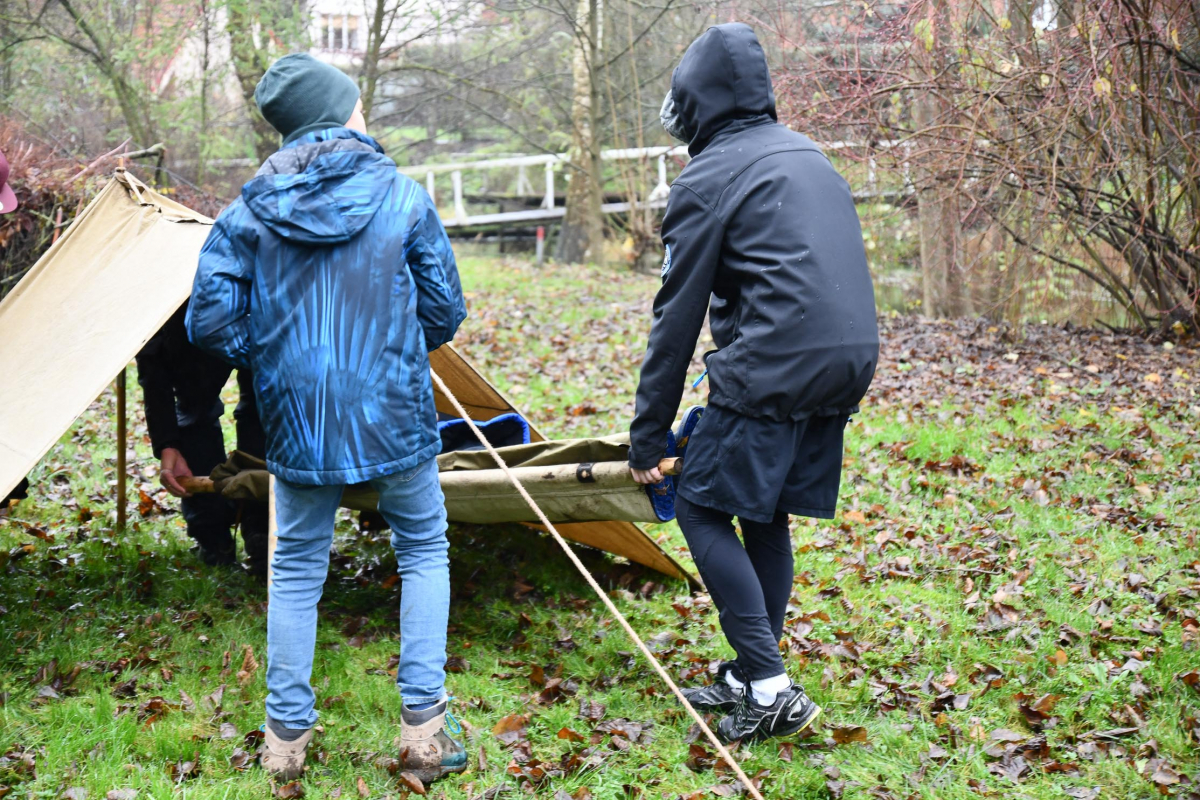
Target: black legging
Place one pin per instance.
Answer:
(750, 585)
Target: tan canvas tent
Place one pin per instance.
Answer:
(85, 309)
(110, 282)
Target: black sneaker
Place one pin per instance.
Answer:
(720, 696)
(791, 713)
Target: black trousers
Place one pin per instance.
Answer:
(750, 584)
(210, 517)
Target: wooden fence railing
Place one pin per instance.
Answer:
(651, 196)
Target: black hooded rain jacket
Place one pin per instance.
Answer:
(761, 231)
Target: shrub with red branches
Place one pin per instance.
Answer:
(52, 189)
(47, 192)
(1070, 130)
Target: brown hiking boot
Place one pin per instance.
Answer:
(282, 759)
(426, 750)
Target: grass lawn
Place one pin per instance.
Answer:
(1006, 606)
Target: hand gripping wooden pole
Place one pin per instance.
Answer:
(612, 608)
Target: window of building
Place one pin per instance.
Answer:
(339, 32)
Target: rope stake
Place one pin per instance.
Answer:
(726, 756)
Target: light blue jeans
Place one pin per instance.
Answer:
(414, 507)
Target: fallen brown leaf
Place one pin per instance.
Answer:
(290, 791)
(412, 783)
(570, 735)
(249, 666)
(511, 728)
(240, 759)
(847, 734)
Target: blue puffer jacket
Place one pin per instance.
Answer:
(333, 278)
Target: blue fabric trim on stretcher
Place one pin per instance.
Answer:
(502, 431)
(662, 495)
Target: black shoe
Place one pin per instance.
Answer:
(255, 542)
(791, 713)
(216, 557)
(720, 696)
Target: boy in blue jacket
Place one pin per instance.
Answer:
(333, 278)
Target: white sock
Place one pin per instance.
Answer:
(766, 690)
(733, 682)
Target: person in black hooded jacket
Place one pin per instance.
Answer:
(181, 389)
(761, 231)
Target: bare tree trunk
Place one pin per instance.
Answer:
(643, 250)
(249, 64)
(1011, 281)
(370, 67)
(206, 32)
(134, 106)
(8, 42)
(941, 281)
(944, 287)
(582, 236)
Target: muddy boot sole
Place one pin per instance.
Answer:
(428, 776)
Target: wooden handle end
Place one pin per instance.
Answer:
(201, 485)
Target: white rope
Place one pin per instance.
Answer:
(662, 673)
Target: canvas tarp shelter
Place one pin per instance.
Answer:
(121, 269)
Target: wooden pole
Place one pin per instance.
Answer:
(204, 485)
(198, 485)
(670, 466)
(121, 437)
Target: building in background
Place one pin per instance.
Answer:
(338, 31)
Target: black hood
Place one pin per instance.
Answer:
(722, 81)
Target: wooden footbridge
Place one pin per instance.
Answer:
(504, 184)
(520, 205)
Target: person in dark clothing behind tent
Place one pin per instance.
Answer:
(181, 387)
(762, 232)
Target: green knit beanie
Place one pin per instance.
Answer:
(300, 94)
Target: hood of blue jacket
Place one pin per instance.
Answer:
(722, 83)
(322, 188)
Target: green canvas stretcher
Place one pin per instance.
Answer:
(572, 480)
